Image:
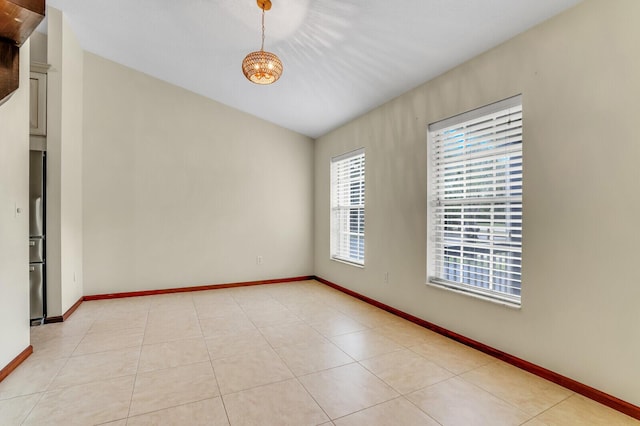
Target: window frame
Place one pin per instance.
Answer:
(339, 234)
(434, 202)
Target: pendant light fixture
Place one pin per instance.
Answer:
(262, 67)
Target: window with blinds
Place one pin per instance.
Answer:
(347, 207)
(475, 203)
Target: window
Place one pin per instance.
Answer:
(475, 202)
(347, 207)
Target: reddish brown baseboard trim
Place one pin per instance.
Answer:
(196, 288)
(592, 393)
(15, 362)
(72, 309)
(63, 317)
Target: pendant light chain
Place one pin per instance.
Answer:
(262, 45)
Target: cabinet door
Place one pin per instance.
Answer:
(38, 104)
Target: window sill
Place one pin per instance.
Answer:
(480, 296)
(346, 262)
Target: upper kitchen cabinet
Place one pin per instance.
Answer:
(18, 19)
(38, 104)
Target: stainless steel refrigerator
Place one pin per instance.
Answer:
(37, 246)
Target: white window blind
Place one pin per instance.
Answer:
(476, 201)
(347, 207)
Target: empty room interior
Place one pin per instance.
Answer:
(392, 213)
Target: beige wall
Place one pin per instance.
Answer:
(38, 52)
(578, 74)
(179, 190)
(14, 226)
(64, 165)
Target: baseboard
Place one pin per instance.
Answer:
(196, 288)
(15, 362)
(63, 317)
(592, 393)
(72, 309)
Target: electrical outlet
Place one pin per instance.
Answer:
(258, 260)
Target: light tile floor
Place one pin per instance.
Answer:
(283, 354)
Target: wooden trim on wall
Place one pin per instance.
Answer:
(15, 362)
(585, 390)
(72, 309)
(196, 288)
(66, 315)
(54, 319)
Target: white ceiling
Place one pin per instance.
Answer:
(341, 58)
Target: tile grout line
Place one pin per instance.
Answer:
(32, 408)
(297, 378)
(314, 399)
(294, 376)
(493, 395)
(135, 379)
(47, 390)
(508, 402)
(459, 376)
(328, 340)
(435, 363)
(213, 370)
(572, 394)
(416, 405)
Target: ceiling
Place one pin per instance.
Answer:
(341, 58)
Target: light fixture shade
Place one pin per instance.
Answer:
(262, 67)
